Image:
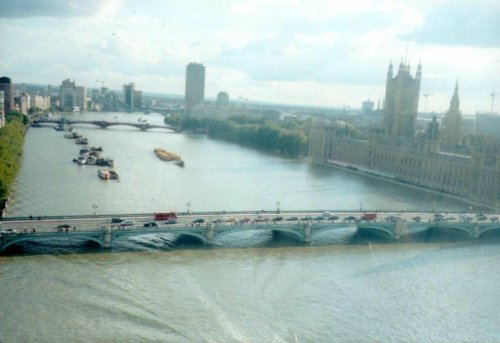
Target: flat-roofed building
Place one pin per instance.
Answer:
(195, 86)
(7, 87)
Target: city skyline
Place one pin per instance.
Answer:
(314, 54)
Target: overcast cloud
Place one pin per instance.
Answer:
(315, 52)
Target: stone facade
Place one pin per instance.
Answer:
(452, 121)
(431, 161)
(401, 101)
(474, 177)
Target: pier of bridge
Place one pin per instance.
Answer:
(105, 234)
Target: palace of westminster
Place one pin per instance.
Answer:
(439, 159)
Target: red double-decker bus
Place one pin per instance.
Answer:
(165, 215)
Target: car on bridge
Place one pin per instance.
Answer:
(127, 223)
(292, 219)
(332, 217)
(466, 218)
(171, 221)
(277, 219)
(319, 218)
(151, 224)
(198, 221)
(481, 217)
(63, 227)
(7, 232)
(116, 220)
(218, 221)
(350, 218)
(244, 220)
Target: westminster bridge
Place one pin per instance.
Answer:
(103, 124)
(207, 228)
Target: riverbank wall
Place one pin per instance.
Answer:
(388, 178)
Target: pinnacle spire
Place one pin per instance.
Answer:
(455, 101)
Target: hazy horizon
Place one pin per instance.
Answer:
(315, 54)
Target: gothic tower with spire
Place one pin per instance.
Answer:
(401, 101)
(452, 121)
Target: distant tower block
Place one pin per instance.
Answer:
(367, 106)
(7, 87)
(195, 86)
(222, 99)
(128, 96)
(401, 101)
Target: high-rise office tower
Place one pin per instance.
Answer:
(7, 88)
(67, 95)
(128, 96)
(401, 101)
(195, 86)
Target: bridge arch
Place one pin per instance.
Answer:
(463, 231)
(378, 230)
(199, 237)
(293, 232)
(318, 231)
(40, 239)
(488, 229)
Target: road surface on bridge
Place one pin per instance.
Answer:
(233, 218)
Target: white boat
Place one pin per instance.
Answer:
(72, 135)
(107, 174)
(91, 160)
(81, 160)
(82, 140)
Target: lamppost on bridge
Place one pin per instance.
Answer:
(278, 204)
(188, 205)
(94, 206)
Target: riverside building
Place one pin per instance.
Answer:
(437, 159)
(72, 97)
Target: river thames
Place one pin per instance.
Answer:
(250, 287)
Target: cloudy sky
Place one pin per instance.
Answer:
(311, 52)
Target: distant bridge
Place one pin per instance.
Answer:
(103, 124)
(104, 233)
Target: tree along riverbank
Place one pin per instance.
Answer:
(289, 138)
(11, 149)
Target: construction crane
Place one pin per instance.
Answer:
(492, 95)
(426, 96)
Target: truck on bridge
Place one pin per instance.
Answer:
(369, 216)
(165, 215)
